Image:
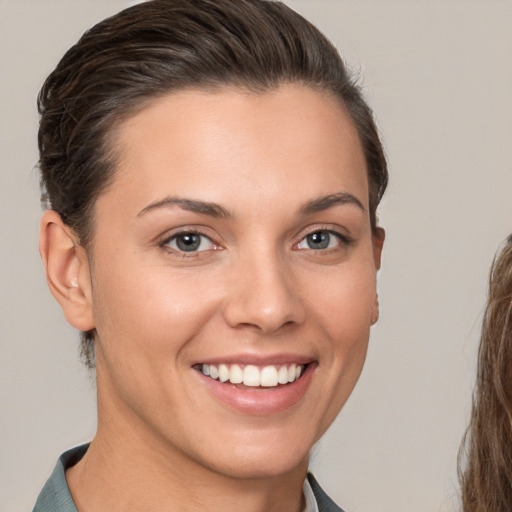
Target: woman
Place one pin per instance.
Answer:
(487, 478)
(213, 176)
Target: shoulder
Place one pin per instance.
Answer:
(325, 504)
(55, 495)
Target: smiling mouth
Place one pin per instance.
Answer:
(253, 376)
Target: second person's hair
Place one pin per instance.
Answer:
(486, 451)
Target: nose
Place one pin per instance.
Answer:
(263, 295)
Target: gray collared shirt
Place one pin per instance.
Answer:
(55, 496)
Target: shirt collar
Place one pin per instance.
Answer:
(56, 490)
(309, 497)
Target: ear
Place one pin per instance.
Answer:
(378, 237)
(67, 270)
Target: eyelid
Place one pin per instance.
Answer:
(174, 240)
(335, 237)
(166, 239)
(335, 230)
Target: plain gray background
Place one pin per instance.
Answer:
(439, 76)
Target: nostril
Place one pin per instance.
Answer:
(265, 327)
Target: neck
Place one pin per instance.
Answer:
(111, 479)
(126, 468)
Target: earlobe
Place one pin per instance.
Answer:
(67, 270)
(375, 311)
(378, 237)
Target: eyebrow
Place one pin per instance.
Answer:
(191, 205)
(217, 211)
(325, 202)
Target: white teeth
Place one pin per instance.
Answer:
(214, 372)
(236, 374)
(282, 375)
(291, 373)
(223, 373)
(251, 376)
(268, 376)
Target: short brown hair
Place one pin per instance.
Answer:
(161, 46)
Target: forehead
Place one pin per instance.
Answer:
(215, 142)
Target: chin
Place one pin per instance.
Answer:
(263, 459)
(255, 468)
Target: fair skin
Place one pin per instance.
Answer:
(236, 233)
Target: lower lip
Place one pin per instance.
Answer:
(260, 401)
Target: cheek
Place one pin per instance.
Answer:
(150, 312)
(346, 303)
(345, 317)
(146, 321)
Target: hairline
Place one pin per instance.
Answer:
(112, 152)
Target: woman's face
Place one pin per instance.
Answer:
(234, 240)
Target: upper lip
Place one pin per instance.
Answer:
(258, 359)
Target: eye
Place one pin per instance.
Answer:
(320, 240)
(189, 242)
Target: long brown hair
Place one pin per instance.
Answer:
(486, 478)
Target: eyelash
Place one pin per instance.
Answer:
(343, 241)
(176, 251)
